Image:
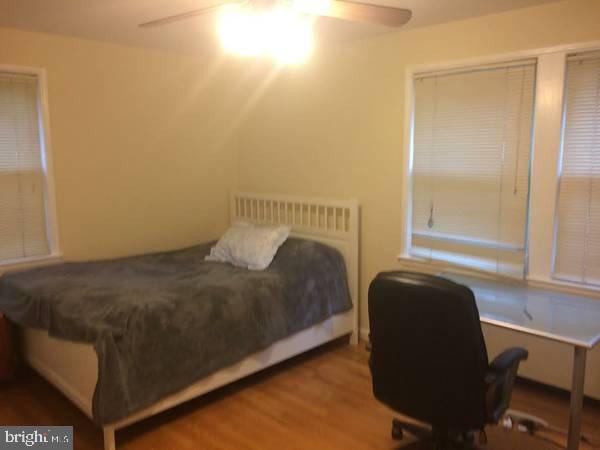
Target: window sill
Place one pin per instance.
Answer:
(436, 266)
(470, 266)
(432, 266)
(28, 263)
(565, 286)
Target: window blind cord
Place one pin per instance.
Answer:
(431, 220)
(502, 160)
(593, 160)
(520, 115)
(21, 212)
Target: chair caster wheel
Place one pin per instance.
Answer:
(468, 438)
(397, 433)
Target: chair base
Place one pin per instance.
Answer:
(440, 439)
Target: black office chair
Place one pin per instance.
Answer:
(429, 361)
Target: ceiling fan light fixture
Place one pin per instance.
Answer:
(280, 34)
(235, 29)
(316, 7)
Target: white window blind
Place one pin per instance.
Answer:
(22, 183)
(577, 243)
(470, 166)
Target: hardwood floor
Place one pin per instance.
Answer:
(321, 400)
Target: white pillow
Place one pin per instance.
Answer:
(250, 246)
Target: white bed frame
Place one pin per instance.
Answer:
(73, 367)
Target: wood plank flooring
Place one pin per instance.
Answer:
(321, 400)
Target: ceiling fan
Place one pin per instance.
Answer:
(340, 9)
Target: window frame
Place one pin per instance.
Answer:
(544, 171)
(556, 278)
(471, 242)
(48, 169)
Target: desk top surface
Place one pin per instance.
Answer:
(567, 318)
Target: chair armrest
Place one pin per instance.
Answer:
(508, 358)
(500, 379)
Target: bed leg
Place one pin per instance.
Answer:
(109, 438)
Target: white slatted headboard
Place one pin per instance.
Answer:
(332, 222)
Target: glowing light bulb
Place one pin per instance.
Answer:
(236, 31)
(317, 7)
(290, 36)
(281, 34)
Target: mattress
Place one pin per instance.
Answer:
(160, 322)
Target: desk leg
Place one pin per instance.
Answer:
(576, 398)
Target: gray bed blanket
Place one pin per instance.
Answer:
(160, 322)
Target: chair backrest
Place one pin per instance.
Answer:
(428, 356)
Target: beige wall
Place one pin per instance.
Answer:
(335, 126)
(145, 143)
(141, 142)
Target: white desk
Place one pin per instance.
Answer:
(565, 318)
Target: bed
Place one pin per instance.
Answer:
(74, 367)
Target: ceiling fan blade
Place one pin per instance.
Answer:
(187, 14)
(366, 12)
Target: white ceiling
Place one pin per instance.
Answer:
(117, 20)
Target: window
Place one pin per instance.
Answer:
(24, 230)
(577, 242)
(470, 165)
